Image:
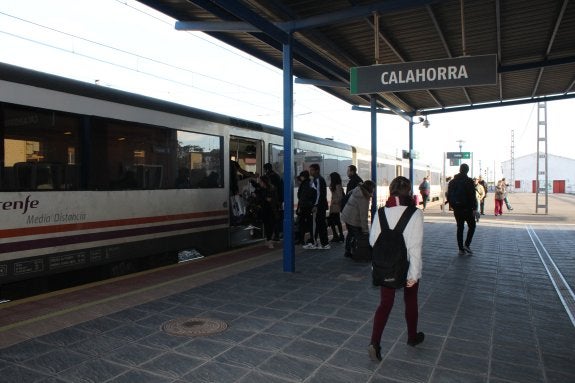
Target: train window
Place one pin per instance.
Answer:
(385, 174)
(200, 162)
(40, 149)
(136, 156)
(330, 165)
(130, 156)
(342, 165)
(364, 169)
(276, 158)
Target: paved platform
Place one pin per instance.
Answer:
(495, 316)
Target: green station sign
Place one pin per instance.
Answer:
(458, 155)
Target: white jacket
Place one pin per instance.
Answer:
(413, 236)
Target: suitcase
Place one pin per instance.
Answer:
(361, 249)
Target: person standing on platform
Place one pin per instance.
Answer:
(320, 207)
(461, 198)
(479, 194)
(335, 207)
(485, 188)
(424, 190)
(355, 214)
(400, 198)
(306, 196)
(278, 183)
(353, 179)
(266, 196)
(352, 182)
(499, 197)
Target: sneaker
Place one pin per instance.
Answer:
(418, 339)
(324, 247)
(461, 252)
(467, 250)
(374, 352)
(309, 246)
(270, 245)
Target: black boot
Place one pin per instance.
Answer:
(418, 339)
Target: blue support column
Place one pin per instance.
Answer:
(288, 249)
(373, 105)
(411, 153)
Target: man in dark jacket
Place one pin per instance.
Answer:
(354, 179)
(320, 206)
(461, 198)
(278, 183)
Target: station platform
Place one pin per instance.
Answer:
(503, 314)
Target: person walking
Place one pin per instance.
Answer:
(499, 197)
(400, 198)
(506, 195)
(320, 206)
(355, 214)
(335, 207)
(485, 188)
(424, 190)
(461, 198)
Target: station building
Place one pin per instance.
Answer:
(561, 173)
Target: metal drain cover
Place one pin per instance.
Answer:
(194, 326)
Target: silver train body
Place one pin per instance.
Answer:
(97, 183)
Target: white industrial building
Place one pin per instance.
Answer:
(560, 173)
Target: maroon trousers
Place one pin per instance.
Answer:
(387, 297)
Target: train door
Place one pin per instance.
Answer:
(246, 160)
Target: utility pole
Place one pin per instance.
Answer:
(541, 162)
(461, 142)
(512, 181)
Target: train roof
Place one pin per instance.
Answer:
(53, 82)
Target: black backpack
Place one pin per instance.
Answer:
(390, 264)
(456, 195)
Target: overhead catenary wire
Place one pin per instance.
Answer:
(138, 56)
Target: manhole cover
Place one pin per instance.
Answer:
(194, 326)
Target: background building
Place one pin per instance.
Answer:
(561, 174)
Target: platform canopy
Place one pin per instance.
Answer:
(533, 40)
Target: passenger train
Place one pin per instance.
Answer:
(97, 183)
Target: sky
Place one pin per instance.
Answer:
(124, 45)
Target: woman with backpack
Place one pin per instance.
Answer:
(401, 197)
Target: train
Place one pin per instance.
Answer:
(96, 182)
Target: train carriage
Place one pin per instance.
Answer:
(96, 182)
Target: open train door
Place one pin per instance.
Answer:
(246, 164)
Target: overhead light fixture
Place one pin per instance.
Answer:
(426, 122)
(423, 121)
